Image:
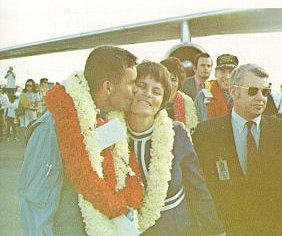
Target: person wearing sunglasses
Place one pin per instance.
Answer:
(29, 101)
(241, 157)
(215, 100)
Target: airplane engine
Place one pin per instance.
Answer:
(186, 53)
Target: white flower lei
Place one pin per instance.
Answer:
(191, 118)
(76, 86)
(159, 171)
(159, 168)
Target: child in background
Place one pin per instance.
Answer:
(11, 106)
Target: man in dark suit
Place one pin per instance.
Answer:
(202, 67)
(241, 156)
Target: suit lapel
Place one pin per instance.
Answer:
(195, 91)
(265, 133)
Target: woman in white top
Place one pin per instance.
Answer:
(29, 100)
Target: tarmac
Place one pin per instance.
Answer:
(11, 156)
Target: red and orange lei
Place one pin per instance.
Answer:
(99, 192)
(218, 106)
(179, 108)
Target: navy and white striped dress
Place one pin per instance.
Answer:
(188, 208)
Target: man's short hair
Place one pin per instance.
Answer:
(238, 73)
(174, 66)
(159, 73)
(42, 80)
(107, 63)
(198, 56)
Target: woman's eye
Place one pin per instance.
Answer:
(157, 92)
(140, 85)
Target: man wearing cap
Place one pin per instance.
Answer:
(202, 68)
(240, 155)
(215, 100)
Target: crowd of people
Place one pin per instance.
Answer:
(20, 107)
(198, 156)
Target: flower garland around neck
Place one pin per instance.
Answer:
(217, 106)
(107, 186)
(159, 171)
(184, 110)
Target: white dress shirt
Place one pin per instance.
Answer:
(240, 131)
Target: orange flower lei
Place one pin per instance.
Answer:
(99, 192)
(217, 106)
(179, 107)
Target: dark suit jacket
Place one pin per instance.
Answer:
(250, 206)
(189, 87)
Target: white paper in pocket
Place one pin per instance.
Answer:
(110, 133)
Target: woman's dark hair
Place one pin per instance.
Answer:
(33, 86)
(174, 66)
(160, 74)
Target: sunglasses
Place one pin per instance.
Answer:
(252, 91)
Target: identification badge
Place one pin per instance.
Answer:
(222, 170)
(207, 93)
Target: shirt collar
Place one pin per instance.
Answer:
(240, 122)
(199, 85)
(144, 134)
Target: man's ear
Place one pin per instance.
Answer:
(194, 68)
(107, 87)
(234, 92)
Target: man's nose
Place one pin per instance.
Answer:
(227, 75)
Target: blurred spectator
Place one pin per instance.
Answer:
(181, 106)
(44, 86)
(215, 100)
(279, 107)
(3, 101)
(11, 106)
(29, 100)
(202, 67)
(11, 79)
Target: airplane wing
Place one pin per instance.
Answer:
(230, 21)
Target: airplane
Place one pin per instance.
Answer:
(219, 22)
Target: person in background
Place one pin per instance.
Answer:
(180, 107)
(10, 115)
(279, 104)
(202, 67)
(3, 102)
(42, 92)
(215, 100)
(29, 100)
(11, 79)
(176, 197)
(241, 158)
